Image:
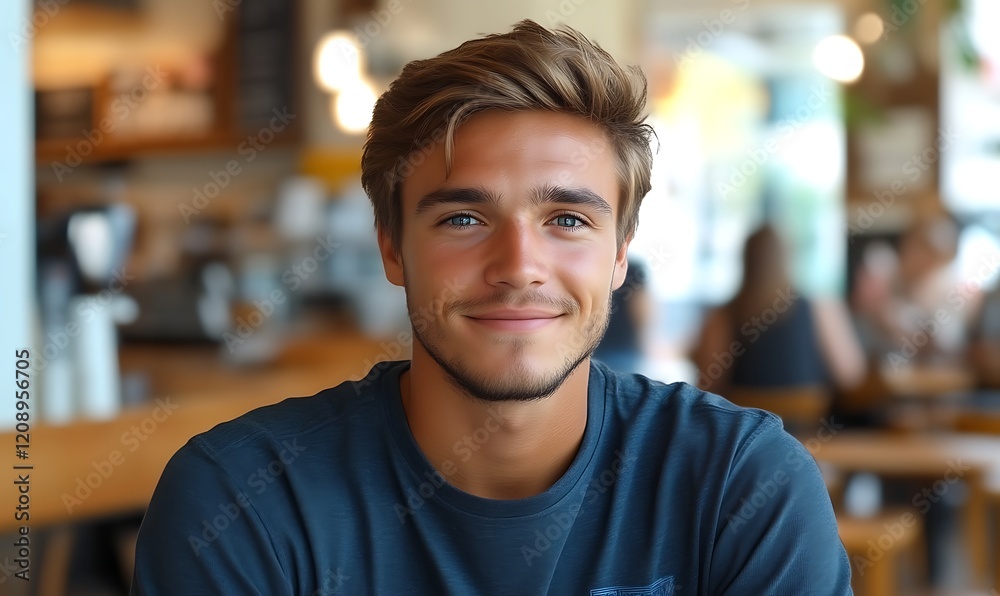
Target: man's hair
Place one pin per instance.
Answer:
(530, 68)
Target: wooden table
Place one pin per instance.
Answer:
(923, 385)
(929, 382)
(929, 456)
(87, 470)
(923, 397)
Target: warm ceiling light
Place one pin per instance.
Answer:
(869, 28)
(839, 58)
(353, 106)
(337, 61)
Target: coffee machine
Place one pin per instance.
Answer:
(82, 294)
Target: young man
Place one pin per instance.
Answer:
(506, 177)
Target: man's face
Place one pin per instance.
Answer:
(509, 262)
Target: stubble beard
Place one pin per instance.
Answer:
(518, 382)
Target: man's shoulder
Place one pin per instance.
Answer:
(674, 423)
(328, 413)
(636, 395)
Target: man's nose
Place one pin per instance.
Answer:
(517, 257)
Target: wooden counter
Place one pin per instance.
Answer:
(91, 469)
(933, 457)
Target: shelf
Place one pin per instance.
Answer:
(67, 151)
(238, 82)
(48, 152)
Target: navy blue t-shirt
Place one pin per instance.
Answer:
(673, 491)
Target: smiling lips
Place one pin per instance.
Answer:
(515, 319)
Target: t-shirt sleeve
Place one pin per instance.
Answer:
(777, 531)
(202, 535)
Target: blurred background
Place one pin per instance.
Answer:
(185, 238)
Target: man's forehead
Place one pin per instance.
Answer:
(568, 150)
(483, 130)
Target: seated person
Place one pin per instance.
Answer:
(923, 312)
(623, 346)
(506, 177)
(770, 337)
(985, 346)
(874, 279)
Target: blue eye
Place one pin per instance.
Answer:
(567, 221)
(462, 221)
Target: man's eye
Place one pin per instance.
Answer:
(462, 221)
(569, 221)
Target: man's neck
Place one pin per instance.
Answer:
(501, 450)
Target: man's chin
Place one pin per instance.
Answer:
(505, 388)
(512, 381)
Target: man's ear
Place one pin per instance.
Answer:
(392, 260)
(621, 265)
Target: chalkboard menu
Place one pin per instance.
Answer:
(266, 61)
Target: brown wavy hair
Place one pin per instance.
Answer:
(530, 68)
(765, 272)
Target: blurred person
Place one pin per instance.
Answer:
(506, 176)
(623, 346)
(768, 336)
(927, 310)
(874, 279)
(984, 349)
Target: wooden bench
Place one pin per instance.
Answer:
(875, 546)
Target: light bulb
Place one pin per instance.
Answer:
(337, 61)
(839, 58)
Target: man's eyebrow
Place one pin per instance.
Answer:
(574, 196)
(545, 194)
(444, 196)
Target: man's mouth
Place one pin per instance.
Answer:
(514, 319)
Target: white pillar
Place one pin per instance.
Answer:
(17, 204)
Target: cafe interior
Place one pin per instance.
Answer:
(192, 241)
